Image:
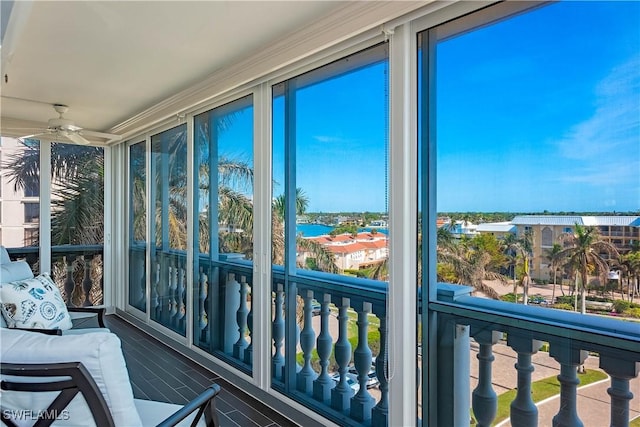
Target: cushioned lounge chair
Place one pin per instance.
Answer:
(43, 376)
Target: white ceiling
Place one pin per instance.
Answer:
(111, 60)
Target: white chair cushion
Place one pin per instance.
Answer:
(99, 352)
(9, 272)
(4, 255)
(16, 270)
(153, 413)
(34, 303)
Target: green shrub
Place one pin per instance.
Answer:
(633, 312)
(621, 306)
(510, 297)
(563, 306)
(564, 299)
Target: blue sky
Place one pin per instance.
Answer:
(538, 112)
(542, 112)
(341, 140)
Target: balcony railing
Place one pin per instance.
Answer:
(322, 356)
(572, 337)
(76, 269)
(326, 380)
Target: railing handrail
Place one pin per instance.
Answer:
(65, 249)
(351, 287)
(583, 328)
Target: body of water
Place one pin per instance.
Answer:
(313, 230)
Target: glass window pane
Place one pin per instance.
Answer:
(335, 120)
(137, 226)
(538, 139)
(330, 235)
(536, 136)
(31, 213)
(223, 231)
(77, 219)
(224, 143)
(169, 231)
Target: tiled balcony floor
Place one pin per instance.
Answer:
(158, 372)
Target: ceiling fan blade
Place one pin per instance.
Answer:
(75, 137)
(110, 136)
(21, 138)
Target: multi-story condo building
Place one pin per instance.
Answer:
(621, 231)
(19, 209)
(353, 252)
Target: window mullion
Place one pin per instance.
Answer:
(402, 229)
(262, 146)
(45, 206)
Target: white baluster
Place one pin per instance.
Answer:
(171, 292)
(380, 413)
(306, 375)
(203, 319)
(523, 411)
(484, 398)
(323, 384)
(241, 319)
(277, 361)
(569, 359)
(248, 352)
(231, 304)
(341, 393)
(362, 403)
(155, 293)
(620, 371)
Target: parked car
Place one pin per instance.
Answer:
(352, 381)
(372, 381)
(315, 308)
(538, 299)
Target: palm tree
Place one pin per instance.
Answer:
(302, 202)
(77, 175)
(523, 249)
(583, 251)
(553, 255)
(509, 242)
(470, 265)
(631, 262)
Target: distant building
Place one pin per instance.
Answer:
(498, 229)
(302, 219)
(19, 210)
(620, 231)
(461, 229)
(352, 252)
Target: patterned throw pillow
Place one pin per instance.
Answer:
(34, 303)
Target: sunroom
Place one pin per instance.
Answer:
(311, 270)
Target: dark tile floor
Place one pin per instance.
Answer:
(158, 372)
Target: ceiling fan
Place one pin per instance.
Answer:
(66, 129)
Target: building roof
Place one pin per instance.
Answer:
(496, 227)
(569, 220)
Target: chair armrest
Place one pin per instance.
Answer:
(204, 403)
(97, 310)
(42, 331)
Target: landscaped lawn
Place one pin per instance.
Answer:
(543, 389)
